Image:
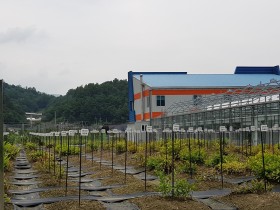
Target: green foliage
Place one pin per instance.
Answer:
(64, 150)
(164, 184)
(182, 187)
(120, 147)
(255, 186)
(30, 146)
(234, 167)
(18, 100)
(168, 148)
(272, 166)
(92, 103)
(131, 147)
(10, 152)
(94, 147)
(43, 166)
(184, 167)
(213, 160)
(6, 189)
(7, 164)
(159, 163)
(197, 155)
(13, 138)
(35, 156)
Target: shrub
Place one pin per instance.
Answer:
(184, 167)
(213, 160)
(7, 164)
(120, 147)
(131, 147)
(13, 138)
(182, 187)
(159, 163)
(168, 148)
(10, 150)
(94, 147)
(272, 166)
(234, 167)
(164, 185)
(64, 150)
(197, 156)
(30, 146)
(255, 186)
(35, 156)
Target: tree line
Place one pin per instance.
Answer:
(91, 103)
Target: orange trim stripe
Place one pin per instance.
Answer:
(157, 114)
(137, 96)
(181, 92)
(147, 115)
(189, 92)
(138, 117)
(145, 93)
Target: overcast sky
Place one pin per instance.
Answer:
(56, 45)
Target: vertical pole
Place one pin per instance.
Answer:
(125, 159)
(112, 141)
(67, 164)
(80, 169)
(190, 155)
(221, 157)
(101, 149)
(54, 154)
(172, 178)
(146, 148)
(49, 154)
(263, 163)
(1, 148)
(60, 160)
(92, 143)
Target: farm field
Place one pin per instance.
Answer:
(180, 174)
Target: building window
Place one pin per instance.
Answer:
(148, 101)
(143, 127)
(196, 99)
(160, 100)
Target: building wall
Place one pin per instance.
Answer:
(143, 93)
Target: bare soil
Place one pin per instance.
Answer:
(204, 180)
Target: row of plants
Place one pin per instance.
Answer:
(11, 151)
(237, 160)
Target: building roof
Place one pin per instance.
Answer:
(243, 76)
(206, 80)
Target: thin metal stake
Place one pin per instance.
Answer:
(146, 148)
(80, 169)
(263, 163)
(172, 178)
(67, 165)
(125, 160)
(1, 148)
(221, 157)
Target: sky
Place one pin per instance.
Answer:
(57, 45)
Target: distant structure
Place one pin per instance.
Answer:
(33, 117)
(150, 94)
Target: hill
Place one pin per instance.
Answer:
(18, 100)
(90, 104)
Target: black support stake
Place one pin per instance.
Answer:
(263, 163)
(172, 178)
(80, 169)
(67, 165)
